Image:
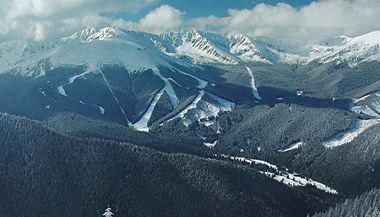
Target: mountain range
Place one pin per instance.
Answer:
(199, 47)
(241, 124)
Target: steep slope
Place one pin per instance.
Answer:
(101, 73)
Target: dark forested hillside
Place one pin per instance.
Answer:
(365, 205)
(44, 173)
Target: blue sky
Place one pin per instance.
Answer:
(202, 8)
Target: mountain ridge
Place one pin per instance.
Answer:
(138, 50)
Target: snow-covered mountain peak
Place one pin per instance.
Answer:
(244, 48)
(335, 41)
(351, 51)
(201, 47)
(137, 50)
(93, 34)
(90, 47)
(372, 38)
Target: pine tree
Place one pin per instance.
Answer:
(108, 212)
(376, 212)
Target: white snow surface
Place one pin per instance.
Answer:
(283, 176)
(292, 147)
(142, 124)
(191, 106)
(205, 108)
(201, 47)
(101, 109)
(210, 145)
(352, 51)
(352, 134)
(90, 47)
(168, 88)
(254, 161)
(255, 92)
(138, 51)
(293, 180)
(61, 88)
(208, 110)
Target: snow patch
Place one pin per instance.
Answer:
(210, 145)
(192, 105)
(255, 92)
(283, 176)
(292, 147)
(253, 161)
(101, 109)
(61, 89)
(168, 88)
(349, 136)
(142, 124)
(293, 180)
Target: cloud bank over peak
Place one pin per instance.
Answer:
(160, 20)
(42, 19)
(320, 19)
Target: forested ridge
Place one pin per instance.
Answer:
(44, 173)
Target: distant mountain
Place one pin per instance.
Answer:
(351, 51)
(107, 45)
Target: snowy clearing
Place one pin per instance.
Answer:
(283, 176)
(293, 180)
(349, 136)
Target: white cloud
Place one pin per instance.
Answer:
(44, 19)
(319, 19)
(160, 20)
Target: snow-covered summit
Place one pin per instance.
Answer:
(348, 50)
(92, 34)
(201, 47)
(138, 50)
(90, 47)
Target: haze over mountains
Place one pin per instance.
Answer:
(234, 124)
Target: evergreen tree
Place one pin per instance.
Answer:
(108, 212)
